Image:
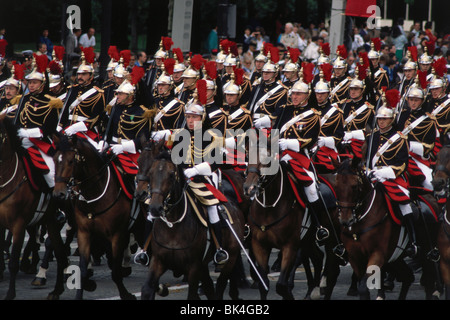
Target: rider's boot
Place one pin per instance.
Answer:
(317, 206)
(413, 248)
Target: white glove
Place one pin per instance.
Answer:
(162, 134)
(348, 136)
(263, 122)
(29, 133)
(291, 144)
(384, 173)
(200, 169)
(326, 142)
(128, 146)
(117, 148)
(76, 127)
(416, 147)
(102, 145)
(230, 143)
(358, 135)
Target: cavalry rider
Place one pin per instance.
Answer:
(12, 91)
(84, 106)
(440, 109)
(267, 97)
(409, 75)
(119, 74)
(154, 70)
(37, 120)
(387, 161)
(290, 69)
(420, 128)
(260, 61)
(299, 126)
(378, 75)
(425, 62)
(340, 82)
(237, 119)
(131, 123)
(57, 84)
(358, 115)
(199, 169)
(190, 77)
(169, 109)
(178, 68)
(331, 127)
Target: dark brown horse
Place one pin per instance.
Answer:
(101, 206)
(441, 185)
(19, 200)
(179, 238)
(276, 220)
(373, 240)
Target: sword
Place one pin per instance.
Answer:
(369, 151)
(65, 105)
(245, 252)
(20, 105)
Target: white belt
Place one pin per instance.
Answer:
(119, 140)
(258, 115)
(79, 118)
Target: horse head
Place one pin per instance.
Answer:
(145, 160)
(64, 159)
(350, 190)
(258, 172)
(164, 177)
(441, 174)
(9, 141)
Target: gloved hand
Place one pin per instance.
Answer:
(326, 142)
(117, 148)
(102, 145)
(29, 133)
(200, 169)
(162, 134)
(347, 137)
(76, 127)
(263, 122)
(416, 147)
(383, 174)
(291, 144)
(230, 143)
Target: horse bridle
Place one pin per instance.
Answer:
(445, 192)
(355, 207)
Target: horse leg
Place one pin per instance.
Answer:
(225, 275)
(299, 259)
(262, 259)
(207, 283)
(2, 250)
(31, 248)
(18, 235)
(405, 276)
(85, 252)
(57, 244)
(118, 245)
(194, 275)
(151, 284)
(287, 263)
(331, 272)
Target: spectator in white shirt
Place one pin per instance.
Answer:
(88, 39)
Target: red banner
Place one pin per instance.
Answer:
(358, 8)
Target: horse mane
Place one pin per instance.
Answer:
(164, 155)
(348, 166)
(11, 130)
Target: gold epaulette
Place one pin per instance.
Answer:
(430, 115)
(98, 89)
(402, 136)
(317, 112)
(53, 102)
(15, 100)
(108, 109)
(148, 113)
(369, 105)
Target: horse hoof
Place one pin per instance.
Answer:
(388, 285)
(254, 285)
(352, 292)
(315, 294)
(90, 285)
(39, 282)
(53, 296)
(163, 291)
(128, 296)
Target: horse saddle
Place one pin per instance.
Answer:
(328, 193)
(419, 205)
(34, 174)
(126, 180)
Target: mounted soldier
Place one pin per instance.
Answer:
(12, 91)
(37, 119)
(388, 160)
(339, 83)
(84, 105)
(378, 75)
(299, 127)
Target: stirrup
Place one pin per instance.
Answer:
(411, 250)
(246, 231)
(142, 258)
(434, 255)
(219, 260)
(320, 238)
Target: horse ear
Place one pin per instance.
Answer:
(356, 162)
(336, 163)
